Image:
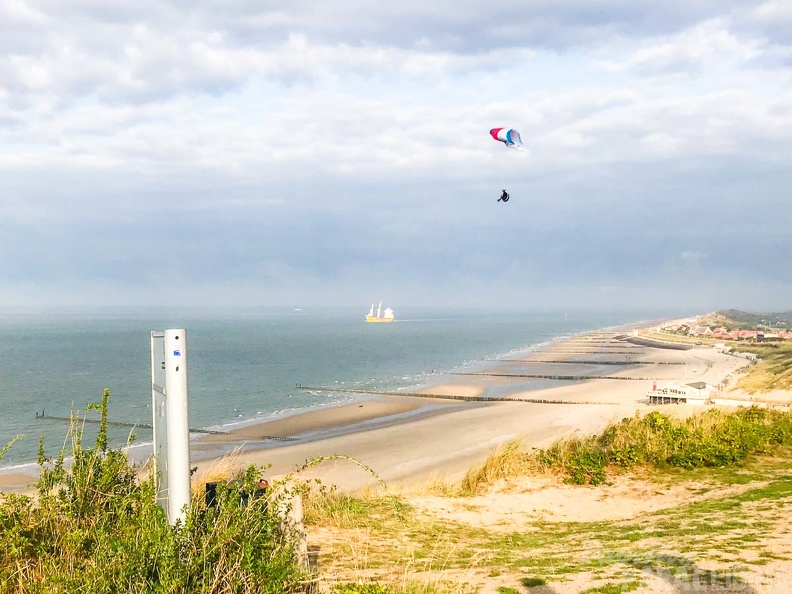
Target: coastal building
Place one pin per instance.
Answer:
(700, 331)
(694, 393)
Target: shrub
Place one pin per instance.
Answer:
(586, 464)
(712, 438)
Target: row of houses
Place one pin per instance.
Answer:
(757, 335)
(722, 333)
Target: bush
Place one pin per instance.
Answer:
(587, 463)
(710, 439)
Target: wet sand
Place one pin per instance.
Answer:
(334, 417)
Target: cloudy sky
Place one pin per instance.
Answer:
(337, 152)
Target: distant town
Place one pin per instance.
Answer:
(723, 333)
(735, 325)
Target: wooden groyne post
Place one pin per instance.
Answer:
(119, 423)
(450, 396)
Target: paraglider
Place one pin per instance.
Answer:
(511, 138)
(508, 136)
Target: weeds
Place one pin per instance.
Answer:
(7, 447)
(94, 527)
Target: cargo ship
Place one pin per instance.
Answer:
(386, 316)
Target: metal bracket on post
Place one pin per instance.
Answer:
(170, 422)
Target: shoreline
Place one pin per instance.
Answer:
(409, 438)
(446, 444)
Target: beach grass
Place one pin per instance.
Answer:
(711, 439)
(7, 446)
(668, 544)
(774, 370)
(671, 542)
(93, 526)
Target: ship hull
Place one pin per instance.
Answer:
(376, 320)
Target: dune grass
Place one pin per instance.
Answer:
(748, 450)
(713, 438)
(7, 447)
(669, 543)
(774, 370)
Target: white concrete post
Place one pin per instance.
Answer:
(178, 425)
(170, 422)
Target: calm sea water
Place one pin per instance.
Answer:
(245, 364)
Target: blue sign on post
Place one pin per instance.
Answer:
(177, 353)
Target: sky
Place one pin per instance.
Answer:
(242, 152)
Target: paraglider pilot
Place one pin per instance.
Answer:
(504, 196)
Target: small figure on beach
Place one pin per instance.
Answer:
(504, 196)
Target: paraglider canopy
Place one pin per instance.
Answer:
(508, 136)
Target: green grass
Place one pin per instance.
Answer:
(670, 540)
(94, 526)
(712, 439)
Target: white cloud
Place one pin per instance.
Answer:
(709, 44)
(774, 11)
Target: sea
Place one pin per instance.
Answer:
(245, 365)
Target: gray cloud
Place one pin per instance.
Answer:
(147, 50)
(254, 153)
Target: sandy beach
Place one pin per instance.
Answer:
(407, 439)
(448, 442)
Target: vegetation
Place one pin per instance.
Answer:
(774, 370)
(94, 526)
(711, 439)
(618, 555)
(7, 447)
(743, 320)
(735, 319)
(370, 550)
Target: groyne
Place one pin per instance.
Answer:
(449, 396)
